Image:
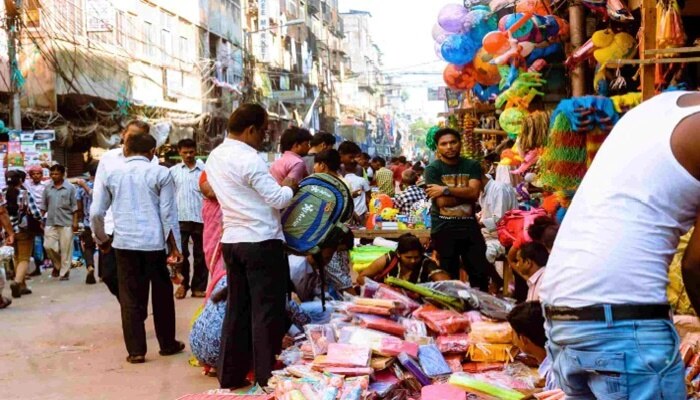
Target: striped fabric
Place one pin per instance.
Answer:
(189, 197)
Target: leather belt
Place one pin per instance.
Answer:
(620, 312)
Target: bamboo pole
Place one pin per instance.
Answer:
(576, 22)
(648, 43)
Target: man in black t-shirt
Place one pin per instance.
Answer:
(454, 185)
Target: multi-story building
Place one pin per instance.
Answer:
(297, 59)
(91, 64)
(363, 95)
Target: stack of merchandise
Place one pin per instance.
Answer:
(419, 342)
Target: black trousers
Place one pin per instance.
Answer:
(200, 273)
(87, 246)
(465, 246)
(137, 271)
(255, 321)
(108, 271)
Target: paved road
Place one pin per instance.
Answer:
(65, 342)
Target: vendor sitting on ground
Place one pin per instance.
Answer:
(408, 262)
(527, 322)
(530, 262)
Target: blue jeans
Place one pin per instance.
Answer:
(636, 359)
(315, 311)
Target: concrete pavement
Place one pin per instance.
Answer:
(64, 341)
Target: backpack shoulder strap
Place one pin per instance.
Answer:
(393, 262)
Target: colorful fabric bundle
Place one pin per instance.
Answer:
(594, 139)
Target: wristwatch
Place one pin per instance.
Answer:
(446, 191)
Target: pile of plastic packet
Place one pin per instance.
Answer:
(400, 341)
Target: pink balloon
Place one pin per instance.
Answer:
(439, 34)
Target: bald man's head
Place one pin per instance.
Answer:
(409, 177)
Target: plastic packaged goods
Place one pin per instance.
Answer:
(404, 304)
(362, 336)
(302, 371)
(693, 368)
(369, 288)
(349, 371)
(354, 308)
(458, 343)
(432, 362)
(380, 363)
(433, 295)
(455, 362)
(443, 322)
(412, 366)
(489, 305)
(414, 326)
(319, 336)
(290, 355)
(419, 340)
(441, 392)
(690, 345)
(381, 324)
(392, 346)
(477, 367)
(348, 355)
(362, 301)
(487, 352)
(491, 332)
(479, 387)
(474, 316)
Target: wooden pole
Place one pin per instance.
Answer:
(648, 42)
(577, 24)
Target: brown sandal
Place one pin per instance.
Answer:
(181, 292)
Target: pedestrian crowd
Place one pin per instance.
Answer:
(143, 217)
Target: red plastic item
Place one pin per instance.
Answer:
(369, 310)
(392, 346)
(455, 362)
(453, 343)
(381, 324)
(443, 322)
(476, 367)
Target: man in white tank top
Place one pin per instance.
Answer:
(604, 289)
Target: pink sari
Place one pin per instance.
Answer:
(213, 229)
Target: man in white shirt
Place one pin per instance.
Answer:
(142, 198)
(530, 265)
(253, 249)
(110, 161)
(497, 199)
(359, 187)
(189, 209)
(604, 293)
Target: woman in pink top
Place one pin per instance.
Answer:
(213, 229)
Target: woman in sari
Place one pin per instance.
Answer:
(205, 338)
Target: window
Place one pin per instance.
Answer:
(69, 16)
(184, 49)
(166, 46)
(149, 48)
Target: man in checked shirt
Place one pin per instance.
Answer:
(411, 193)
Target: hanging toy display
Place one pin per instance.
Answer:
(577, 129)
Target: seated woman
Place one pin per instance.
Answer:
(408, 262)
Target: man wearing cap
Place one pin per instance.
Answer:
(36, 185)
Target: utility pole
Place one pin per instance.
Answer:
(12, 27)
